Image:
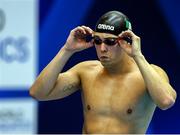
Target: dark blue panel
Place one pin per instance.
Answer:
(13, 93)
(158, 46)
(61, 116)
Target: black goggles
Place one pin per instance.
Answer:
(108, 41)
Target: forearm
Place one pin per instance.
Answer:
(48, 77)
(160, 90)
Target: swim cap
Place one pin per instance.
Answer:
(113, 22)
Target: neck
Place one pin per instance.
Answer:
(124, 65)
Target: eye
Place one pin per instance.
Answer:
(97, 40)
(110, 41)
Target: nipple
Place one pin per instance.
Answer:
(129, 111)
(88, 107)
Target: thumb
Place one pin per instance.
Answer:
(122, 43)
(89, 44)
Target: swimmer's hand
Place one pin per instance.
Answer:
(77, 39)
(133, 49)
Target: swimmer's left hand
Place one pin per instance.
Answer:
(132, 49)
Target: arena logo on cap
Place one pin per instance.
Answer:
(105, 27)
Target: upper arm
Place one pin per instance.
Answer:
(161, 72)
(66, 84)
(164, 76)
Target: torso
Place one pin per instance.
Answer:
(114, 104)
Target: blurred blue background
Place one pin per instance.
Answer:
(155, 21)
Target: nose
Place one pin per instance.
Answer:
(103, 48)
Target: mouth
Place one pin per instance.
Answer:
(103, 57)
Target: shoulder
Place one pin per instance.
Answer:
(160, 71)
(87, 66)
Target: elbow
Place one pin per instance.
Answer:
(167, 103)
(35, 95)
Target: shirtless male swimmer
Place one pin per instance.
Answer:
(120, 91)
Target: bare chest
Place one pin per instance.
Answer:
(125, 97)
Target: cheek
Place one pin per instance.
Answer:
(115, 51)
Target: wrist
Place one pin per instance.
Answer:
(138, 56)
(67, 51)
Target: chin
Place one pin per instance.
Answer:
(106, 63)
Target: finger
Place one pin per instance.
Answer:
(87, 29)
(125, 34)
(130, 34)
(126, 47)
(121, 41)
(90, 30)
(79, 33)
(79, 30)
(127, 39)
(124, 43)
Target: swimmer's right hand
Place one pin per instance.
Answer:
(77, 39)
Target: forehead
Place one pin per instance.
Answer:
(104, 35)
